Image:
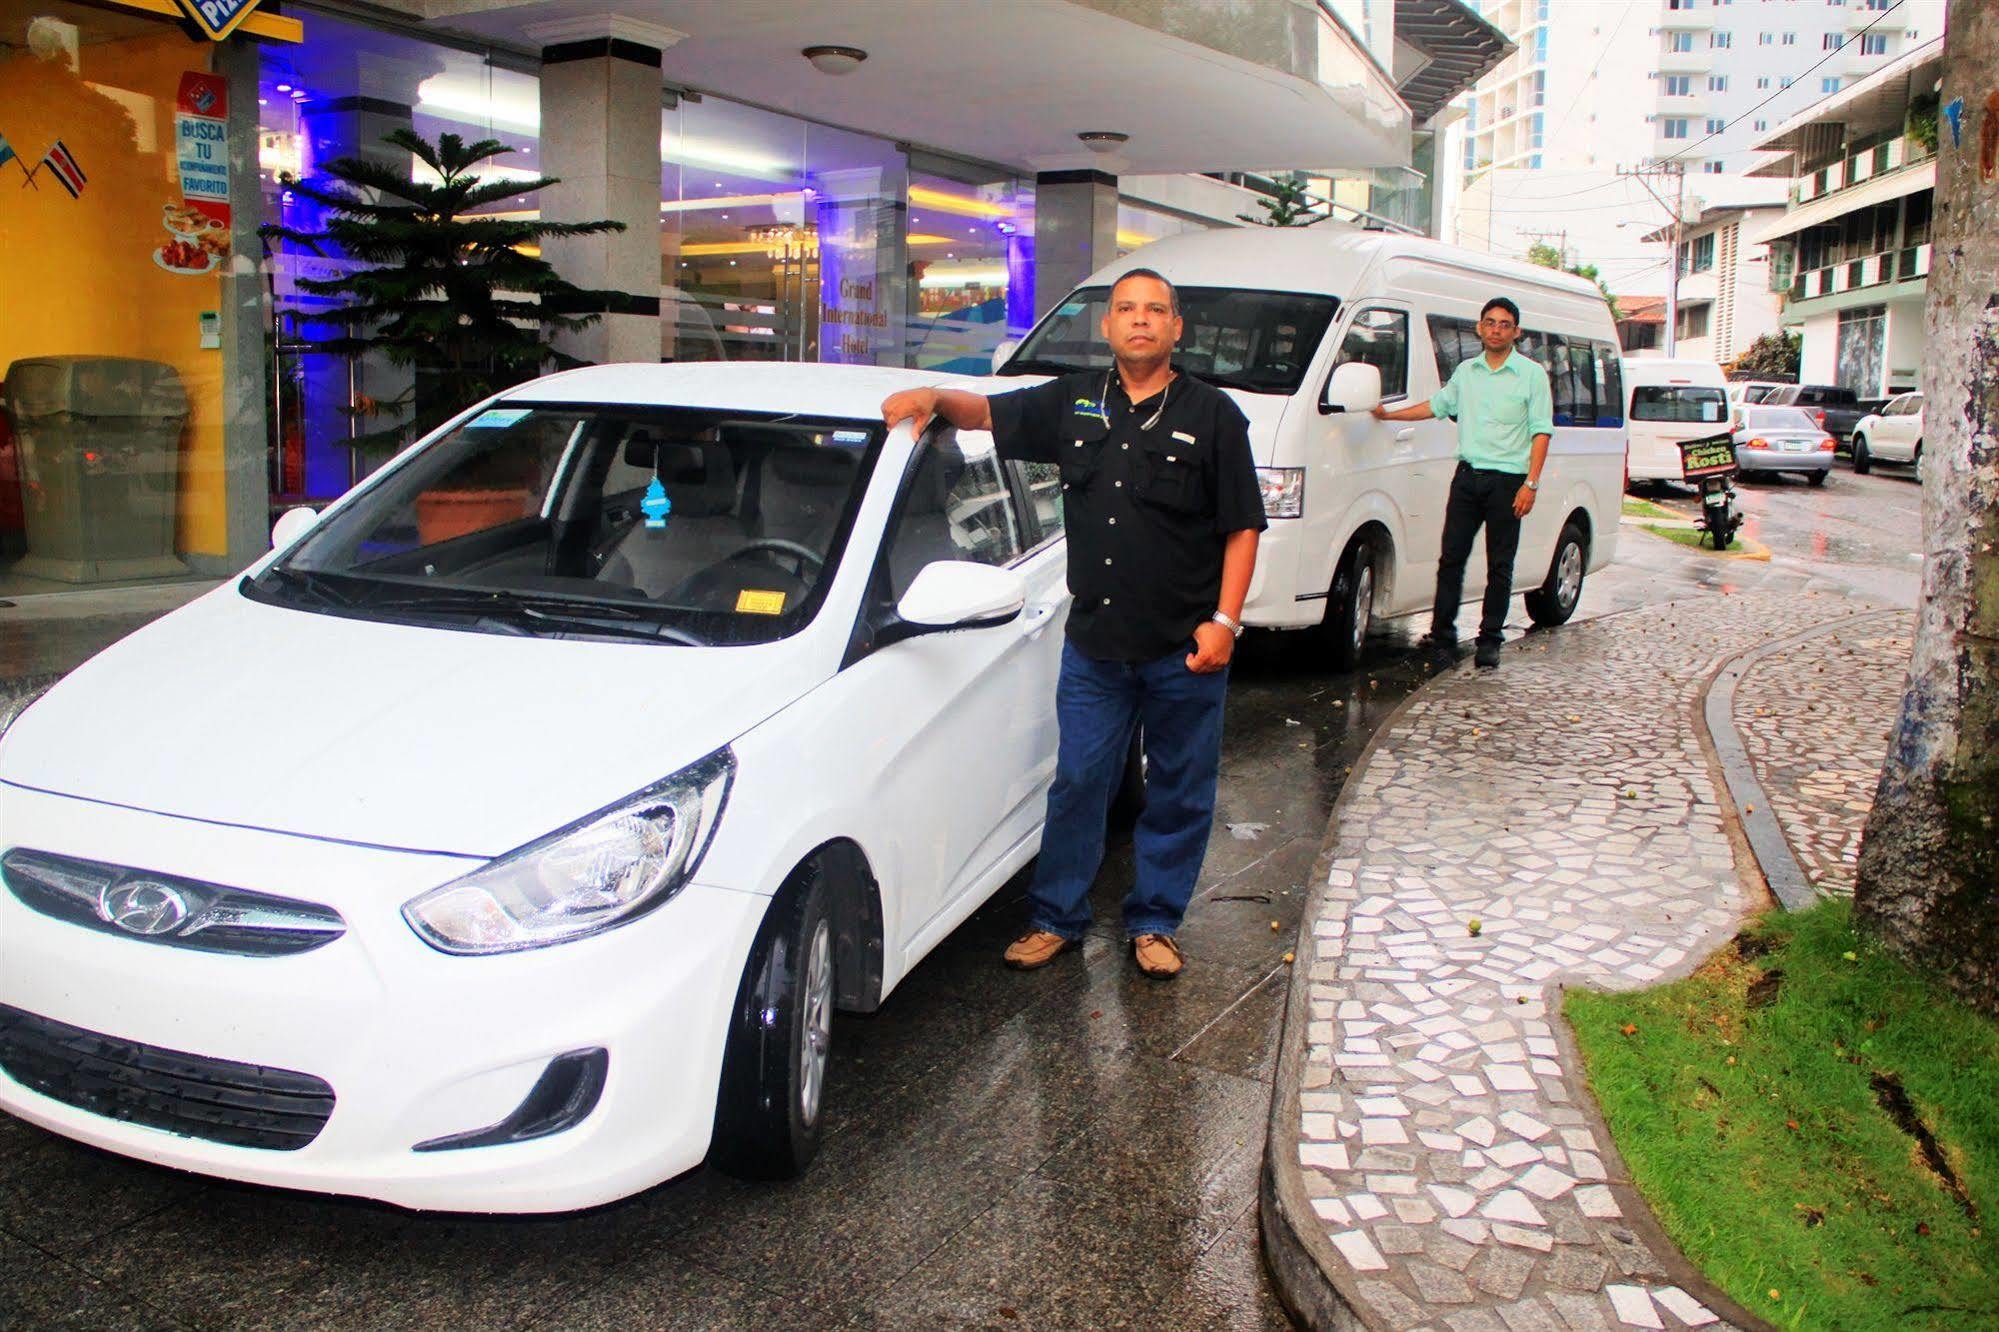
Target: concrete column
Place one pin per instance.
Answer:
(600, 128)
(1075, 231)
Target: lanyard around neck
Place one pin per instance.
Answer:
(1157, 412)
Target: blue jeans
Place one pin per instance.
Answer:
(1097, 703)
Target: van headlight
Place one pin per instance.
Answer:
(597, 873)
(1283, 491)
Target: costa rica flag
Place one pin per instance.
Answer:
(62, 163)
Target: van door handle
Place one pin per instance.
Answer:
(1405, 434)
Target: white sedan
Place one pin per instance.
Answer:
(506, 839)
(1892, 435)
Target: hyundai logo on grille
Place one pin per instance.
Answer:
(141, 906)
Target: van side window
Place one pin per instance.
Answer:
(1380, 338)
(1610, 384)
(1452, 341)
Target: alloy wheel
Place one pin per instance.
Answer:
(1569, 575)
(814, 1049)
(1363, 604)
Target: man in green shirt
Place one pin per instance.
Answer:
(1505, 414)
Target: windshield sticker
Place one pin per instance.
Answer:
(498, 418)
(656, 506)
(850, 438)
(749, 601)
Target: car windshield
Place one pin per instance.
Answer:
(669, 525)
(1678, 402)
(1780, 418)
(1758, 392)
(1255, 340)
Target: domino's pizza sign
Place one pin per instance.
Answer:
(218, 18)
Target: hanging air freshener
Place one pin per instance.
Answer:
(656, 506)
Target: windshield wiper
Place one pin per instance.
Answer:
(1037, 365)
(533, 613)
(315, 585)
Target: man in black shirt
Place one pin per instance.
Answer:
(1161, 508)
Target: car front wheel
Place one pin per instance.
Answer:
(1555, 601)
(773, 1096)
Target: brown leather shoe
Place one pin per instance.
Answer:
(1158, 956)
(1036, 948)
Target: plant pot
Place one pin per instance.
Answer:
(444, 514)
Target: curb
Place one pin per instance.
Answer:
(1786, 878)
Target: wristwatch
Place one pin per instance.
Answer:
(1233, 626)
(1533, 484)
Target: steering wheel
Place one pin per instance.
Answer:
(803, 554)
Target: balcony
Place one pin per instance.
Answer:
(1874, 270)
(1688, 20)
(1859, 16)
(1698, 61)
(1690, 105)
(1863, 166)
(1663, 146)
(1856, 64)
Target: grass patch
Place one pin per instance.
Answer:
(1686, 536)
(1816, 1126)
(1638, 508)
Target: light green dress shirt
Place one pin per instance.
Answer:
(1499, 411)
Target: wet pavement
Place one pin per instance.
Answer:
(1073, 1147)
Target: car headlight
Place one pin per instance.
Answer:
(1283, 491)
(599, 872)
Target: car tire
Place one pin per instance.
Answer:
(1350, 607)
(1916, 456)
(772, 1102)
(1128, 799)
(1863, 461)
(1555, 600)
(1818, 478)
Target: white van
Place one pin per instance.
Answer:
(1671, 401)
(1307, 328)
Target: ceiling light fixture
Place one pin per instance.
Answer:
(835, 59)
(1103, 141)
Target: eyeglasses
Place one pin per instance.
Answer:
(1498, 325)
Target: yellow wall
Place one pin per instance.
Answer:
(77, 276)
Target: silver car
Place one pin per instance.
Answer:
(1783, 439)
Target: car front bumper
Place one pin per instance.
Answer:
(416, 1045)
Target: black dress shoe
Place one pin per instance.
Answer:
(1487, 657)
(1440, 654)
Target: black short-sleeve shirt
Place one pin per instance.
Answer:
(1146, 507)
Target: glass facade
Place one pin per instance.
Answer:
(165, 388)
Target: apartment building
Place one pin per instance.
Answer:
(1725, 301)
(1851, 255)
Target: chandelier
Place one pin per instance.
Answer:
(787, 244)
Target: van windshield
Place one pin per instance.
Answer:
(1678, 402)
(669, 525)
(1260, 341)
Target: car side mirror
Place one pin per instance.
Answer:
(1354, 387)
(1003, 352)
(291, 525)
(956, 594)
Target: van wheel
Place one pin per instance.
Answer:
(1555, 601)
(1350, 607)
(772, 1101)
(1863, 461)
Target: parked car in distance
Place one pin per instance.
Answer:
(582, 819)
(1894, 434)
(1832, 409)
(1783, 439)
(1746, 392)
(1307, 328)
(1670, 401)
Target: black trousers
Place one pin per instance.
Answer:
(1478, 498)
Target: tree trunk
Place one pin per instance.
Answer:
(1929, 862)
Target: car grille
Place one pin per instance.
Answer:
(165, 908)
(243, 1105)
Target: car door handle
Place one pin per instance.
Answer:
(1405, 434)
(1035, 619)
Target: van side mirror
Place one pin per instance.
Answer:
(1003, 352)
(1354, 387)
(291, 525)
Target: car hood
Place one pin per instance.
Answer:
(236, 712)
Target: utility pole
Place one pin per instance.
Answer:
(1928, 880)
(1678, 171)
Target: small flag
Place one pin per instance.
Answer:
(59, 161)
(7, 153)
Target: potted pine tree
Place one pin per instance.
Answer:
(461, 299)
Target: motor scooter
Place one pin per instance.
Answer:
(1710, 464)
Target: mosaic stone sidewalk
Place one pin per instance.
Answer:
(1555, 823)
(1814, 718)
